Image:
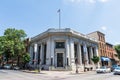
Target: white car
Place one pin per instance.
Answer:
(16, 68)
(117, 70)
(103, 69)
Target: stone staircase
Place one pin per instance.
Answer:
(60, 68)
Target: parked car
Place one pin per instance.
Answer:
(113, 67)
(7, 66)
(16, 68)
(103, 69)
(117, 70)
(1, 67)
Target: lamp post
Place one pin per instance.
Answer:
(84, 61)
(39, 69)
(76, 62)
(84, 64)
(51, 62)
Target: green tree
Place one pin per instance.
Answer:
(26, 58)
(117, 48)
(95, 59)
(6, 47)
(12, 44)
(1, 45)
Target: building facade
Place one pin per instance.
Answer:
(112, 54)
(63, 49)
(105, 49)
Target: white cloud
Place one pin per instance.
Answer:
(73, 1)
(104, 28)
(85, 1)
(103, 1)
(92, 1)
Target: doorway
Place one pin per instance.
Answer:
(59, 59)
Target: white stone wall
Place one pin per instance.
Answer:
(68, 52)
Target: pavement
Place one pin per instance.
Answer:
(55, 75)
(55, 72)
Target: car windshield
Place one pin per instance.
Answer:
(118, 68)
(103, 67)
(7, 65)
(114, 65)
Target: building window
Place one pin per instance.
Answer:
(33, 57)
(88, 50)
(60, 45)
(75, 50)
(44, 61)
(93, 50)
(51, 61)
(101, 52)
(82, 54)
(67, 62)
(39, 54)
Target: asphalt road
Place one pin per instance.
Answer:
(55, 75)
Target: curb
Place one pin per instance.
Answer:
(27, 71)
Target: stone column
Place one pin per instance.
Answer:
(85, 53)
(79, 54)
(52, 51)
(72, 52)
(96, 51)
(31, 54)
(91, 54)
(48, 53)
(67, 53)
(35, 53)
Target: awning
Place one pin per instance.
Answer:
(105, 59)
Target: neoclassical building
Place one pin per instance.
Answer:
(62, 49)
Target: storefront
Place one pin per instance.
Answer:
(105, 61)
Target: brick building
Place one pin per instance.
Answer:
(105, 49)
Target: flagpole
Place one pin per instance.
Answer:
(59, 18)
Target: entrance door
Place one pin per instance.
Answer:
(59, 59)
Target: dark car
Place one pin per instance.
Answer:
(1, 67)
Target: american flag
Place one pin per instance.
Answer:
(58, 10)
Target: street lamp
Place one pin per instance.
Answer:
(39, 66)
(84, 64)
(84, 58)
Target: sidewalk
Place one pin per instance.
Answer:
(57, 72)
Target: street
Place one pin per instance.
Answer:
(55, 75)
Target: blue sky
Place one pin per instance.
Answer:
(84, 16)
